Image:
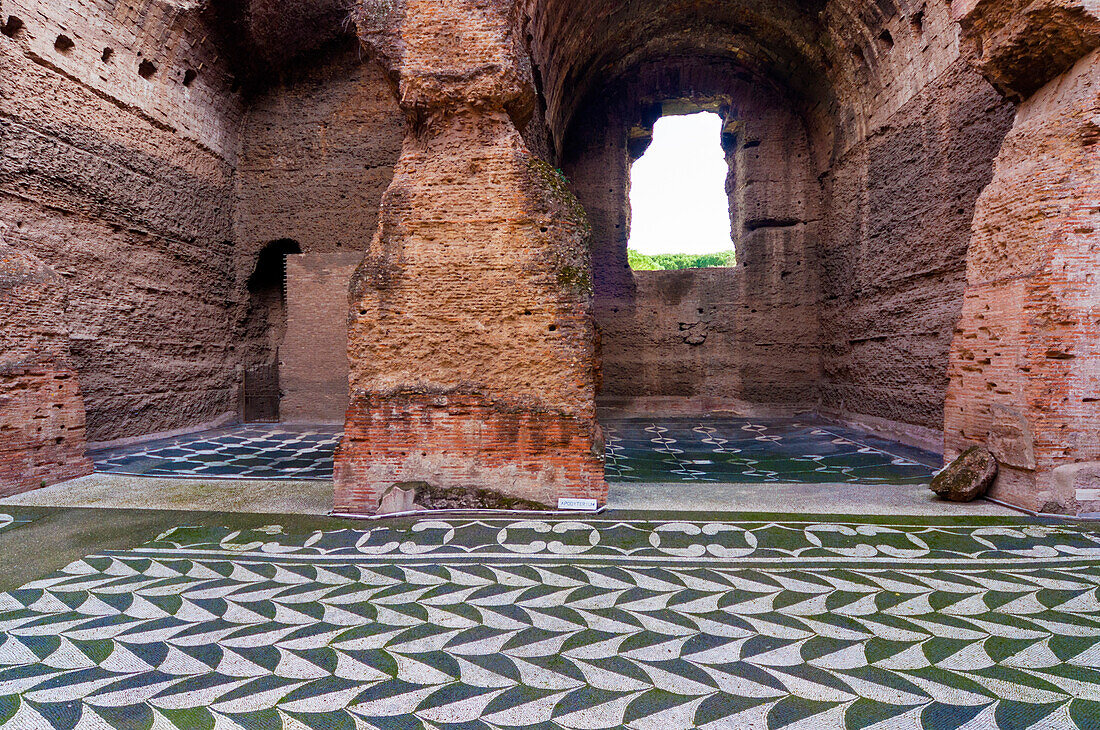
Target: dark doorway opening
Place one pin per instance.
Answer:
(265, 326)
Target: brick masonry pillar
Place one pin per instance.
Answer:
(471, 341)
(1025, 361)
(41, 412)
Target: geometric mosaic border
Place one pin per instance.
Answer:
(647, 541)
(500, 623)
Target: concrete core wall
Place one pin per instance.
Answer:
(116, 172)
(893, 250)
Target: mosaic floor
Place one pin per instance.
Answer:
(257, 451)
(8, 522)
(776, 450)
(493, 623)
(670, 450)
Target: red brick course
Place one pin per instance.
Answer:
(1025, 363)
(41, 411)
(463, 439)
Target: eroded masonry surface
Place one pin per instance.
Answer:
(408, 220)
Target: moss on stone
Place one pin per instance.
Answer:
(554, 181)
(575, 277)
(967, 477)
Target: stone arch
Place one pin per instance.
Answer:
(687, 340)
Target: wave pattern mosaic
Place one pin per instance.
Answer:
(775, 450)
(669, 450)
(566, 624)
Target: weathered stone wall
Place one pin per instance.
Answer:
(317, 152)
(41, 412)
(914, 134)
(672, 346)
(893, 259)
(471, 343)
(116, 171)
(1024, 363)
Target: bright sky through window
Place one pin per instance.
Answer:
(678, 198)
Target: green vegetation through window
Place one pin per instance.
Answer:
(680, 216)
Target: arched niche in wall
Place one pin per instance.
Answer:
(696, 339)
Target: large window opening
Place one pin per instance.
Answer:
(679, 208)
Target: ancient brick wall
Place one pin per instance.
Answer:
(1024, 373)
(116, 172)
(313, 357)
(41, 413)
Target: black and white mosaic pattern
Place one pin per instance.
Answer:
(257, 451)
(8, 522)
(741, 450)
(566, 624)
(669, 450)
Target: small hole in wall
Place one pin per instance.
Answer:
(189, 76)
(146, 69)
(857, 53)
(553, 328)
(543, 229)
(64, 43)
(527, 312)
(107, 53)
(886, 39)
(917, 22)
(12, 26)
